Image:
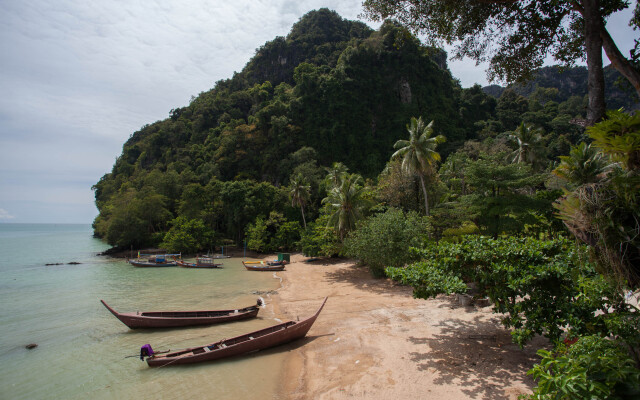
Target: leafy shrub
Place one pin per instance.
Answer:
(454, 234)
(319, 239)
(384, 239)
(592, 368)
(541, 287)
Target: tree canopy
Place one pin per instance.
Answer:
(515, 37)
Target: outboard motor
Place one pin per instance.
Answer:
(145, 351)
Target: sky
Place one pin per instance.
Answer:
(78, 78)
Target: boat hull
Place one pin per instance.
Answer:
(259, 266)
(136, 263)
(197, 265)
(276, 262)
(247, 343)
(176, 319)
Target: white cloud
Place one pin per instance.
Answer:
(4, 215)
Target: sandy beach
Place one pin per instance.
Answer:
(373, 340)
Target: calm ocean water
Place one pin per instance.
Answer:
(82, 347)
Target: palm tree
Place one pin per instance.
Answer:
(299, 191)
(335, 173)
(418, 153)
(347, 203)
(584, 164)
(529, 148)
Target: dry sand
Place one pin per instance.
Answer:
(373, 340)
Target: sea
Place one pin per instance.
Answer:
(84, 352)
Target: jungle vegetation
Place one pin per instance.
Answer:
(341, 140)
(332, 91)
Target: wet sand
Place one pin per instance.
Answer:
(373, 340)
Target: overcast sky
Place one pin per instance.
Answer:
(78, 78)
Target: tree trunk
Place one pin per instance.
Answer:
(619, 62)
(303, 220)
(464, 189)
(426, 199)
(593, 25)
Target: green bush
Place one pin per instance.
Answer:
(384, 240)
(455, 234)
(592, 368)
(319, 239)
(540, 287)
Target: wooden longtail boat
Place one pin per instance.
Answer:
(261, 266)
(155, 260)
(174, 319)
(254, 341)
(201, 262)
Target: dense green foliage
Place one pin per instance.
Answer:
(384, 240)
(542, 287)
(548, 288)
(604, 212)
(273, 234)
(592, 368)
(187, 236)
(296, 153)
(583, 165)
(331, 91)
(515, 37)
(501, 199)
(320, 239)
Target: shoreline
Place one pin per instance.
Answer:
(374, 340)
(231, 251)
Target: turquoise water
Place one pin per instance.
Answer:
(82, 347)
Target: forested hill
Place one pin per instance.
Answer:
(332, 90)
(331, 84)
(573, 82)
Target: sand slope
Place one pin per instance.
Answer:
(374, 341)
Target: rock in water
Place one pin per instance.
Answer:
(31, 346)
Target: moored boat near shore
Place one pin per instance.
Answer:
(174, 319)
(249, 342)
(201, 262)
(262, 266)
(155, 260)
(277, 262)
